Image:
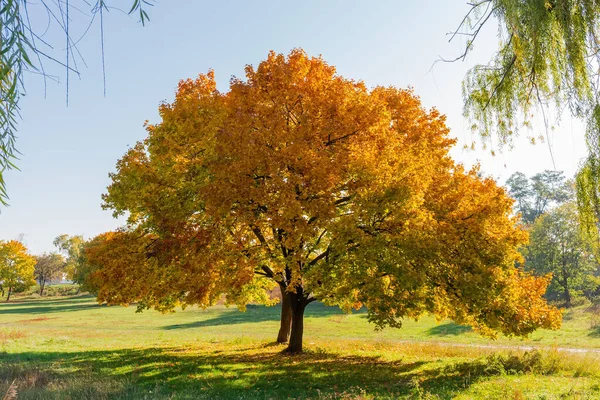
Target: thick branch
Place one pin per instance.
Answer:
(261, 238)
(268, 271)
(259, 234)
(343, 200)
(319, 257)
(334, 140)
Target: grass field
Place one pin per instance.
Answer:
(72, 348)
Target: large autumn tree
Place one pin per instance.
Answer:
(301, 178)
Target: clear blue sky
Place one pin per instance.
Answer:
(67, 152)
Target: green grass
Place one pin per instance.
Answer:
(72, 348)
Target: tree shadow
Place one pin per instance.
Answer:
(48, 309)
(252, 372)
(448, 329)
(256, 314)
(594, 332)
(75, 299)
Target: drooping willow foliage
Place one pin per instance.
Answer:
(588, 177)
(24, 48)
(548, 57)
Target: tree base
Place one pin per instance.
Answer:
(291, 352)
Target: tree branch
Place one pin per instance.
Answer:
(334, 140)
(342, 200)
(319, 257)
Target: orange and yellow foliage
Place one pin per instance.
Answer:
(338, 192)
(16, 265)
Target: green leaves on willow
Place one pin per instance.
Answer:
(22, 49)
(547, 55)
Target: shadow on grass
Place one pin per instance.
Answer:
(47, 306)
(75, 299)
(448, 329)
(255, 314)
(253, 372)
(594, 332)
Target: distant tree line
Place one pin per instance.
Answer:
(20, 270)
(559, 243)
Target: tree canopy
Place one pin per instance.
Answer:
(48, 266)
(71, 247)
(16, 266)
(301, 178)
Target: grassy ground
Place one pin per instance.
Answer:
(71, 348)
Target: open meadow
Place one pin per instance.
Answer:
(433, 166)
(73, 348)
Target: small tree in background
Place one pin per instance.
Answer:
(48, 267)
(72, 249)
(16, 267)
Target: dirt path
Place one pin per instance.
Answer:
(579, 350)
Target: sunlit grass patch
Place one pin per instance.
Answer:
(531, 387)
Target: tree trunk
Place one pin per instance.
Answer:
(286, 316)
(566, 288)
(567, 296)
(42, 284)
(9, 292)
(298, 307)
